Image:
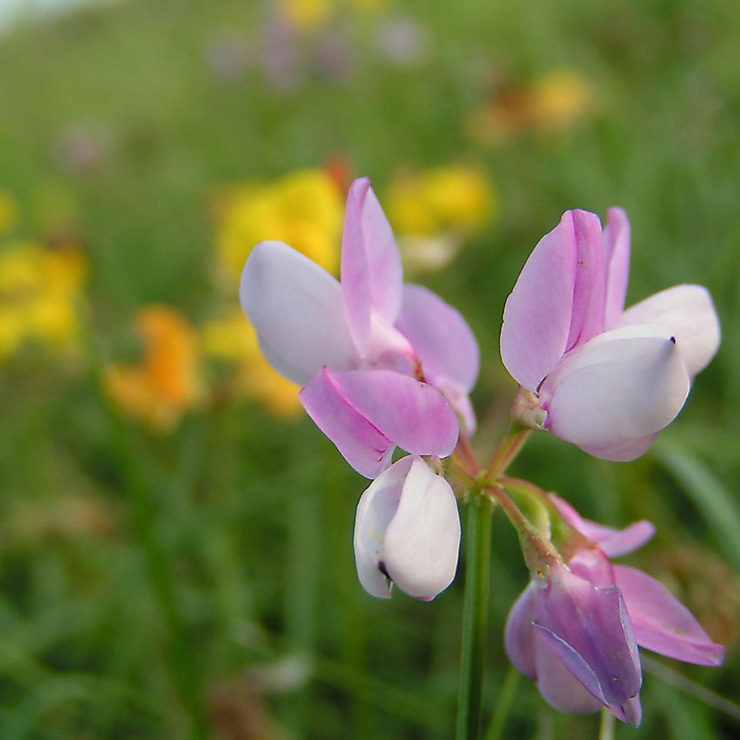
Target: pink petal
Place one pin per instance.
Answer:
(520, 635)
(371, 272)
(376, 509)
(590, 283)
(617, 249)
(537, 315)
(613, 542)
(296, 308)
(662, 623)
(630, 711)
(367, 413)
(689, 312)
(422, 542)
(441, 338)
(622, 385)
(589, 630)
(558, 685)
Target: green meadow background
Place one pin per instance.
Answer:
(210, 590)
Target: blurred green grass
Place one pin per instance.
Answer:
(217, 588)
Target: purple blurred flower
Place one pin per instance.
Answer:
(576, 633)
(360, 346)
(605, 379)
(84, 148)
(227, 58)
(403, 41)
(279, 56)
(407, 531)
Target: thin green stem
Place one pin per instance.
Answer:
(606, 725)
(475, 614)
(505, 701)
(510, 447)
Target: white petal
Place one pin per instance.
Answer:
(296, 308)
(624, 450)
(622, 385)
(375, 510)
(423, 539)
(689, 312)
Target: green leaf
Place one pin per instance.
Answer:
(710, 495)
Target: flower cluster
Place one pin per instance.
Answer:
(40, 289)
(605, 379)
(385, 365)
(577, 631)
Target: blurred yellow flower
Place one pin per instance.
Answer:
(552, 104)
(8, 212)
(433, 212)
(305, 15)
(39, 292)
(165, 383)
(310, 15)
(559, 99)
(233, 341)
(303, 209)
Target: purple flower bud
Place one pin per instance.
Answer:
(576, 633)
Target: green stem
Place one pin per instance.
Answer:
(606, 725)
(475, 614)
(509, 448)
(143, 505)
(504, 702)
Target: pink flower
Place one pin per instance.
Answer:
(605, 379)
(576, 633)
(407, 532)
(360, 346)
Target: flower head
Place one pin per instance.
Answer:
(361, 347)
(407, 532)
(165, 383)
(607, 380)
(39, 292)
(576, 632)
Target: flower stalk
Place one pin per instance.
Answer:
(475, 613)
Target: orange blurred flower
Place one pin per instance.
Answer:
(165, 383)
(551, 104)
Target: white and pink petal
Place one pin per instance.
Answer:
(661, 623)
(440, 336)
(611, 394)
(296, 308)
(367, 413)
(590, 282)
(689, 312)
(537, 315)
(371, 271)
(422, 542)
(617, 260)
(407, 532)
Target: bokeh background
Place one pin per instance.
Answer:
(175, 535)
